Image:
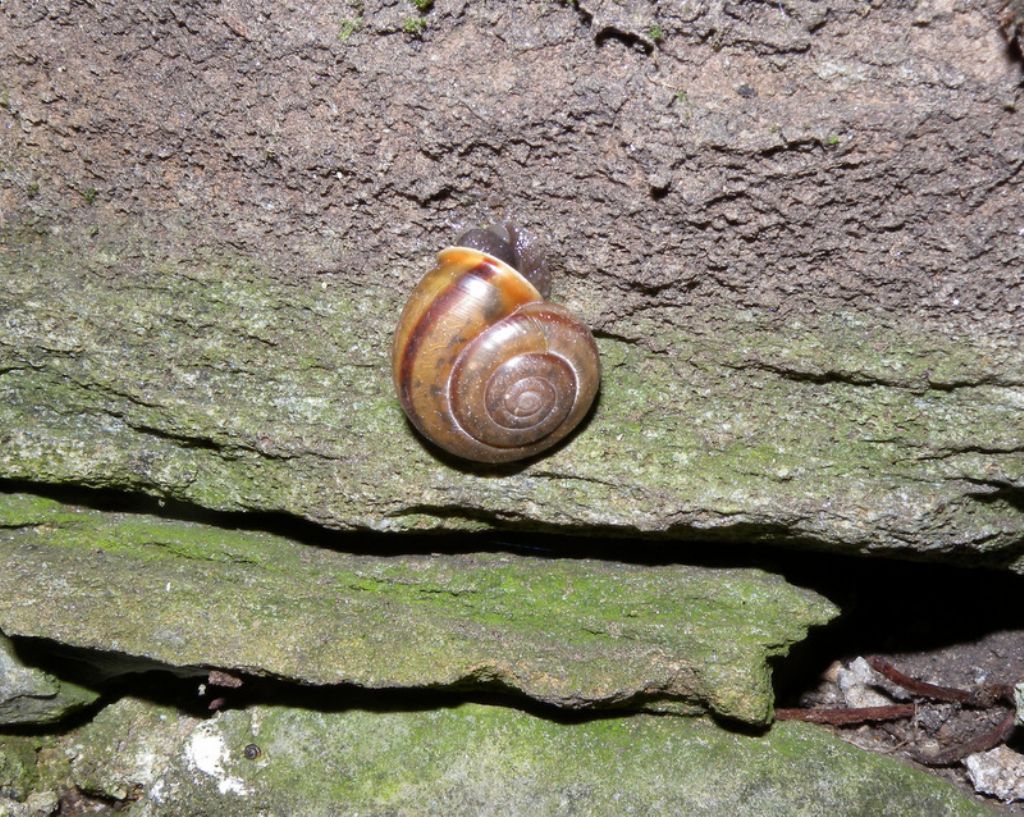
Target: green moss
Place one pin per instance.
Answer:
(18, 773)
(656, 33)
(414, 25)
(475, 759)
(205, 382)
(571, 632)
(348, 27)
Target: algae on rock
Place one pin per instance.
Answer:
(30, 696)
(203, 382)
(573, 633)
(474, 759)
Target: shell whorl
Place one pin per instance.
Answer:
(487, 369)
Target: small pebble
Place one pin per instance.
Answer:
(999, 772)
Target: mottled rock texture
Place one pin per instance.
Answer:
(32, 697)
(795, 228)
(577, 634)
(471, 760)
(213, 383)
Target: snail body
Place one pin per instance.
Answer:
(484, 367)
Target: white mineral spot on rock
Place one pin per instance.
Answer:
(207, 752)
(157, 793)
(999, 772)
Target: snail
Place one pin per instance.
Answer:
(484, 366)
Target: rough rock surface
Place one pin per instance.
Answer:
(472, 760)
(29, 696)
(569, 632)
(998, 772)
(213, 383)
(795, 228)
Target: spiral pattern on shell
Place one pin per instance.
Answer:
(484, 367)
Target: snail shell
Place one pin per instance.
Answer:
(485, 367)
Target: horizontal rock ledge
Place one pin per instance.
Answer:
(573, 633)
(216, 383)
(469, 760)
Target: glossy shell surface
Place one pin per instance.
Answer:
(484, 367)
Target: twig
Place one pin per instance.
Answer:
(846, 717)
(982, 697)
(982, 743)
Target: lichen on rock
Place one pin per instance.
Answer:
(33, 697)
(202, 382)
(471, 758)
(573, 633)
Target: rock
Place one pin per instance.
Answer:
(1018, 694)
(38, 804)
(810, 325)
(30, 696)
(474, 759)
(858, 683)
(18, 775)
(202, 382)
(574, 633)
(29, 767)
(998, 772)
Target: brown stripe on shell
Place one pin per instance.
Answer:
(483, 270)
(501, 297)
